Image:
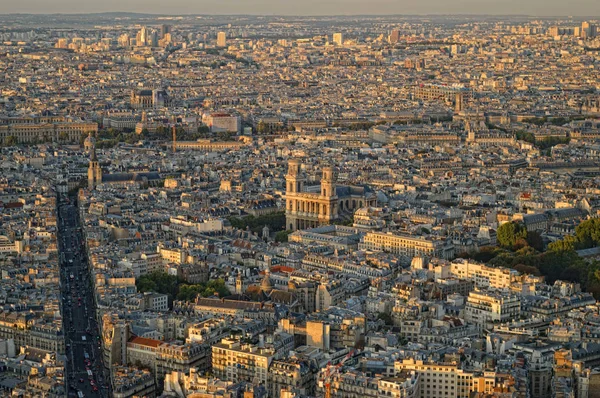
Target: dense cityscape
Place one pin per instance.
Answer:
(249, 206)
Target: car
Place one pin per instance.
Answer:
(81, 380)
(94, 388)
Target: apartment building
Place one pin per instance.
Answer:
(447, 380)
(235, 361)
(484, 276)
(434, 92)
(355, 384)
(291, 375)
(406, 245)
(485, 308)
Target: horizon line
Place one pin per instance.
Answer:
(302, 15)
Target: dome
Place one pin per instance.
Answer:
(89, 143)
(266, 285)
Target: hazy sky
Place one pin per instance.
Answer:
(309, 7)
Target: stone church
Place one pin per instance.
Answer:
(312, 206)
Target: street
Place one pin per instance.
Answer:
(84, 358)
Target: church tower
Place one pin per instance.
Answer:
(294, 180)
(470, 132)
(174, 130)
(458, 103)
(328, 182)
(94, 171)
(239, 284)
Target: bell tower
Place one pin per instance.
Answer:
(294, 180)
(94, 171)
(328, 182)
(239, 284)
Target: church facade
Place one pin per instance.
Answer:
(309, 207)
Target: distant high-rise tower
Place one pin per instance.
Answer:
(587, 31)
(338, 38)
(394, 36)
(164, 29)
(221, 39)
(142, 37)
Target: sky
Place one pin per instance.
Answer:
(309, 7)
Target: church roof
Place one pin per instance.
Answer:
(122, 177)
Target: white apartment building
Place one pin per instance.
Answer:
(233, 361)
(222, 122)
(406, 245)
(488, 307)
(446, 380)
(483, 275)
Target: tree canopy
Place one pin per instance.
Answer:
(161, 282)
(522, 251)
(275, 222)
(509, 233)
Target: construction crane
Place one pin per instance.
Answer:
(331, 371)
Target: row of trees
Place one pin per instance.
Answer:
(545, 143)
(513, 236)
(11, 140)
(275, 222)
(587, 235)
(175, 288)
(190, 292)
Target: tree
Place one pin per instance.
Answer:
(282, 236)
(565, 245)
(159, 282)
(275, 222)
(190, 292)
(509, 233)
(263, 128)
(11, 140)
(534, 239)
(386, 318)
(588, 233)
(63, 136)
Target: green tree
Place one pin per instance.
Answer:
(282, 236)
(534, 239)
(159, 282)
(190, 292)
(588, 233)
(11, 140)
(564, 245)
(387, 318)
(509, 233)
(146, 285)
(275, 222)
(63, 136)
(263, 128)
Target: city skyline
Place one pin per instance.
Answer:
(328, 206)
(587, 8)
